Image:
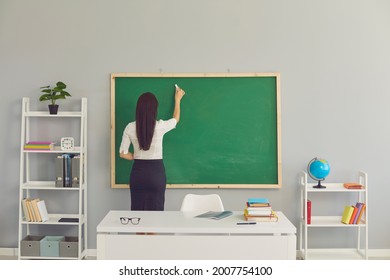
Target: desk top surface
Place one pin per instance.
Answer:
(186, 222)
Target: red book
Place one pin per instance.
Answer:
(308, 216)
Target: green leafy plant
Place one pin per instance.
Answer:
(54, 93)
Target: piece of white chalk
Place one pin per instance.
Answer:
(176, 86)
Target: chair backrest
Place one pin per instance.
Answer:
(207, 202)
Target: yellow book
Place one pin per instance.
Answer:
(348, 210)
(266, 218)
(36, 210)
(30, 210)
(25, 210)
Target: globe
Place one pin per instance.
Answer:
(318, 169)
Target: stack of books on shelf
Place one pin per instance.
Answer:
(34, 210)
(259, 210)
(353, 214)
(39, 145)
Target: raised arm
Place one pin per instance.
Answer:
(178, 96)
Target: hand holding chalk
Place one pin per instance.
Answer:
(179, 93)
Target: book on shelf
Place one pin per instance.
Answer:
(353, 186)
(353, 213)
(362, 208)
(359, 206)
(348, 210)
(308, 214)
(68, 220)
(25, 210)
(42, 210)
(355, 210)
(34, 210)
(261, 218)
(31, 212)
(39, 145)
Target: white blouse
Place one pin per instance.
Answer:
(156, 148)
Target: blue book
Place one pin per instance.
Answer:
(258, 201)
(216, 215)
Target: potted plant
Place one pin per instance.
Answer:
(52, 94)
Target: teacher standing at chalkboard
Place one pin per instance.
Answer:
(147, 176)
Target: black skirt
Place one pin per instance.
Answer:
(147, 185)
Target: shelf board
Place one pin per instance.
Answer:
(46, 185)
(331, 221)
(47, 114)
(53, 220)
(55, 150)
(45, 258)
(83, 255)
(334, 254)
(332, 187)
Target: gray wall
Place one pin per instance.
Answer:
(333, 58)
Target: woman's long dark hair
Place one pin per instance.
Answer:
(146, 116)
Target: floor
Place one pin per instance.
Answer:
(94, 258)
(15, 258)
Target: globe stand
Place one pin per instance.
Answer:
(319, 186)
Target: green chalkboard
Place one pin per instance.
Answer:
(228, 135)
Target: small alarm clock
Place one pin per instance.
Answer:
(67, 143)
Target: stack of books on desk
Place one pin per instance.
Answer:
(37, 145)
(259, 210)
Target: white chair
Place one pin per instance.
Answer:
(207, 202)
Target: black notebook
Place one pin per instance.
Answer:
(69, 220)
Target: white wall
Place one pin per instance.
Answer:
(333, 57)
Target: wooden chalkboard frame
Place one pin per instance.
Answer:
(189, 75)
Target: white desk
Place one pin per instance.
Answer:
(175, 235)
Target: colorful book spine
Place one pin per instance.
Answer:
(359, 207)
(259, 212)
(268, 218)
(308, 214)
(258, 200)
(355, 210)
(363, 208)
(348, 210)
(39, 143)
(36, 145)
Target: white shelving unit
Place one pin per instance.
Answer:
(322, 222)
(29, 187)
